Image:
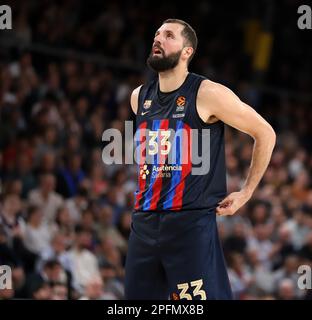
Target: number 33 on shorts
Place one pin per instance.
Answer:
(197, 291)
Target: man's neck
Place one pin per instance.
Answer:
(172, 79)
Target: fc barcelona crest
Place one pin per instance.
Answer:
(147, 104)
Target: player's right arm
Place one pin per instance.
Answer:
(134, 99)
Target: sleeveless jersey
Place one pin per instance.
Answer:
(181, 159)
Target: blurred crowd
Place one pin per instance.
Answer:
(65, 215)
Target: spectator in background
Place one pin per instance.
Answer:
(13, 187)
(40, 290)
(299, 228)
(108, 253)
(283, 247)
(95, 290)
(45, 197)
(262, 282)
(46, 163)
(236, 241)
(83, 263)
(306, 250)
(7, 254)
(51, 273)
(98, 181)
(59, 291)
(300, 189)
(25, 174)
(286, 290)
(13, 227)
(113, 283)
(38, 233)
(239, 275)
(111, 199)
(70, 176)
(56, 251)
(49, 104)
(105, 228)
(65, 225)
(48, 142)
(289, 270)
(10, 215)
(261, 242)
(124, 224)
(77, 204)
(11, 258)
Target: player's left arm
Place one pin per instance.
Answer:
(224, 105)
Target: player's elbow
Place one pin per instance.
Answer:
(267, 135)
(271, 136)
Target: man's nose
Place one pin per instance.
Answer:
(157, 39)
(157, 43)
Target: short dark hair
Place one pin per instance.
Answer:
(188, 33)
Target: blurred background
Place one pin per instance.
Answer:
(67, 69)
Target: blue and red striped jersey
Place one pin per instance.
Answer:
(181, 160)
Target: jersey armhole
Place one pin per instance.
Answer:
(140, 99)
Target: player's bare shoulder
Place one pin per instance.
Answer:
(134, 99)
(211, 98)
(207, 97)
(210, 91)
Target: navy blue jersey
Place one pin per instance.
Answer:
(168, 177)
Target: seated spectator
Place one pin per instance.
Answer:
(105, 228)
(70, 176)
(83, 263)
(59, 291)
(40, 290)
(64, 225)
(289, 270)
(113, 283)
(286, 290)
(262, 243)
(239, 275)
(56, 251)
(10, 214)
(95, 290)
(51, 273)
(46, 198)
(77, 204)
(124, 224)
(107, 252)
(38, 233)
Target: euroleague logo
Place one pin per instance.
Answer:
(180, 106)
(181, 101)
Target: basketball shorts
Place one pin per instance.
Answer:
(175, 255)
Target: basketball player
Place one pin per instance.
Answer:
(174, 249)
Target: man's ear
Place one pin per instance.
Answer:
(187, 52)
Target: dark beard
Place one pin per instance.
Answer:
(164, 63)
